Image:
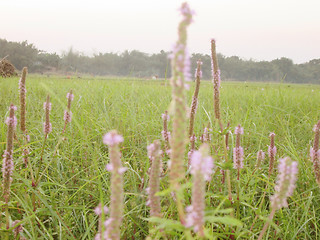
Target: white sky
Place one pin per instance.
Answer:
(257, 29)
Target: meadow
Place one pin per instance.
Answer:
(74, 179)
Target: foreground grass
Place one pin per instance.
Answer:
(74, 179)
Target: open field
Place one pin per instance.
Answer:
(74, 179)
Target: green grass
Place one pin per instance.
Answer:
(74, 180)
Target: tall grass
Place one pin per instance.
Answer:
(74, 179)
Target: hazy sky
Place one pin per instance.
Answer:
(257, 29)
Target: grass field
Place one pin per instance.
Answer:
(74, 179)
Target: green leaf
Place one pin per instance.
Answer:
(226, 165)
(166, 223)
(164, 192)
(227, 220)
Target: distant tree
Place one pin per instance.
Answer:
(139, 64)
(20, 54)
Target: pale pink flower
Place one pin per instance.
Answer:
(238, 157)
(112, 138)
(238, 130)
(203, 164)
(285, 185)
(67, 116)
(70, 96)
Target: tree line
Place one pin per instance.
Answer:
(139, 64)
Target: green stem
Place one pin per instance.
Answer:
(265, 227)
(6, 232)
(41, 159)
(35, 181)
(7, 216)
(179, 202)
(226, 160)
(238, 199)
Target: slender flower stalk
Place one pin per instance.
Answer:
(180, 74)
(23, 92)
(154, 154)
(8, 165)
(285, 185)
(238, 150)
(113, 139)
(216, 81)
(260, 158)
(67, 113)
(192, 148)
(201, 168)
(194, 103)
(315, 152)
(47, 127)
(166, 135)
(223, 174)
(216, 97)
(272, 151)
(205, 137)
(227, 137)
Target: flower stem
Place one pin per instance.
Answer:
(265, 227)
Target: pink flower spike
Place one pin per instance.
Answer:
(272, 151)
(203, 164)
(112, 138)
(11, 121)
(70, 96)
(165, 116)
(285, 185)
(13, 107)
(47, 128)
(47, 106)
(238, 130)
(67, 116)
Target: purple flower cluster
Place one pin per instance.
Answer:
(166, 135)
(272, 149)
(47, 106)
(202, 164)
(201, 168)
(198, 72)
(98, 211)
(70, 96)
(165, 116)
(67, 116)
(12, 121)
(260, 158)
(8, 165)
(238, 157)
(205, 137)
(315, 152)
(285, 185)
(47, 126)
(112, 138)
(182, 64)
(238, 130)
(238, 150)
(180, 56)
